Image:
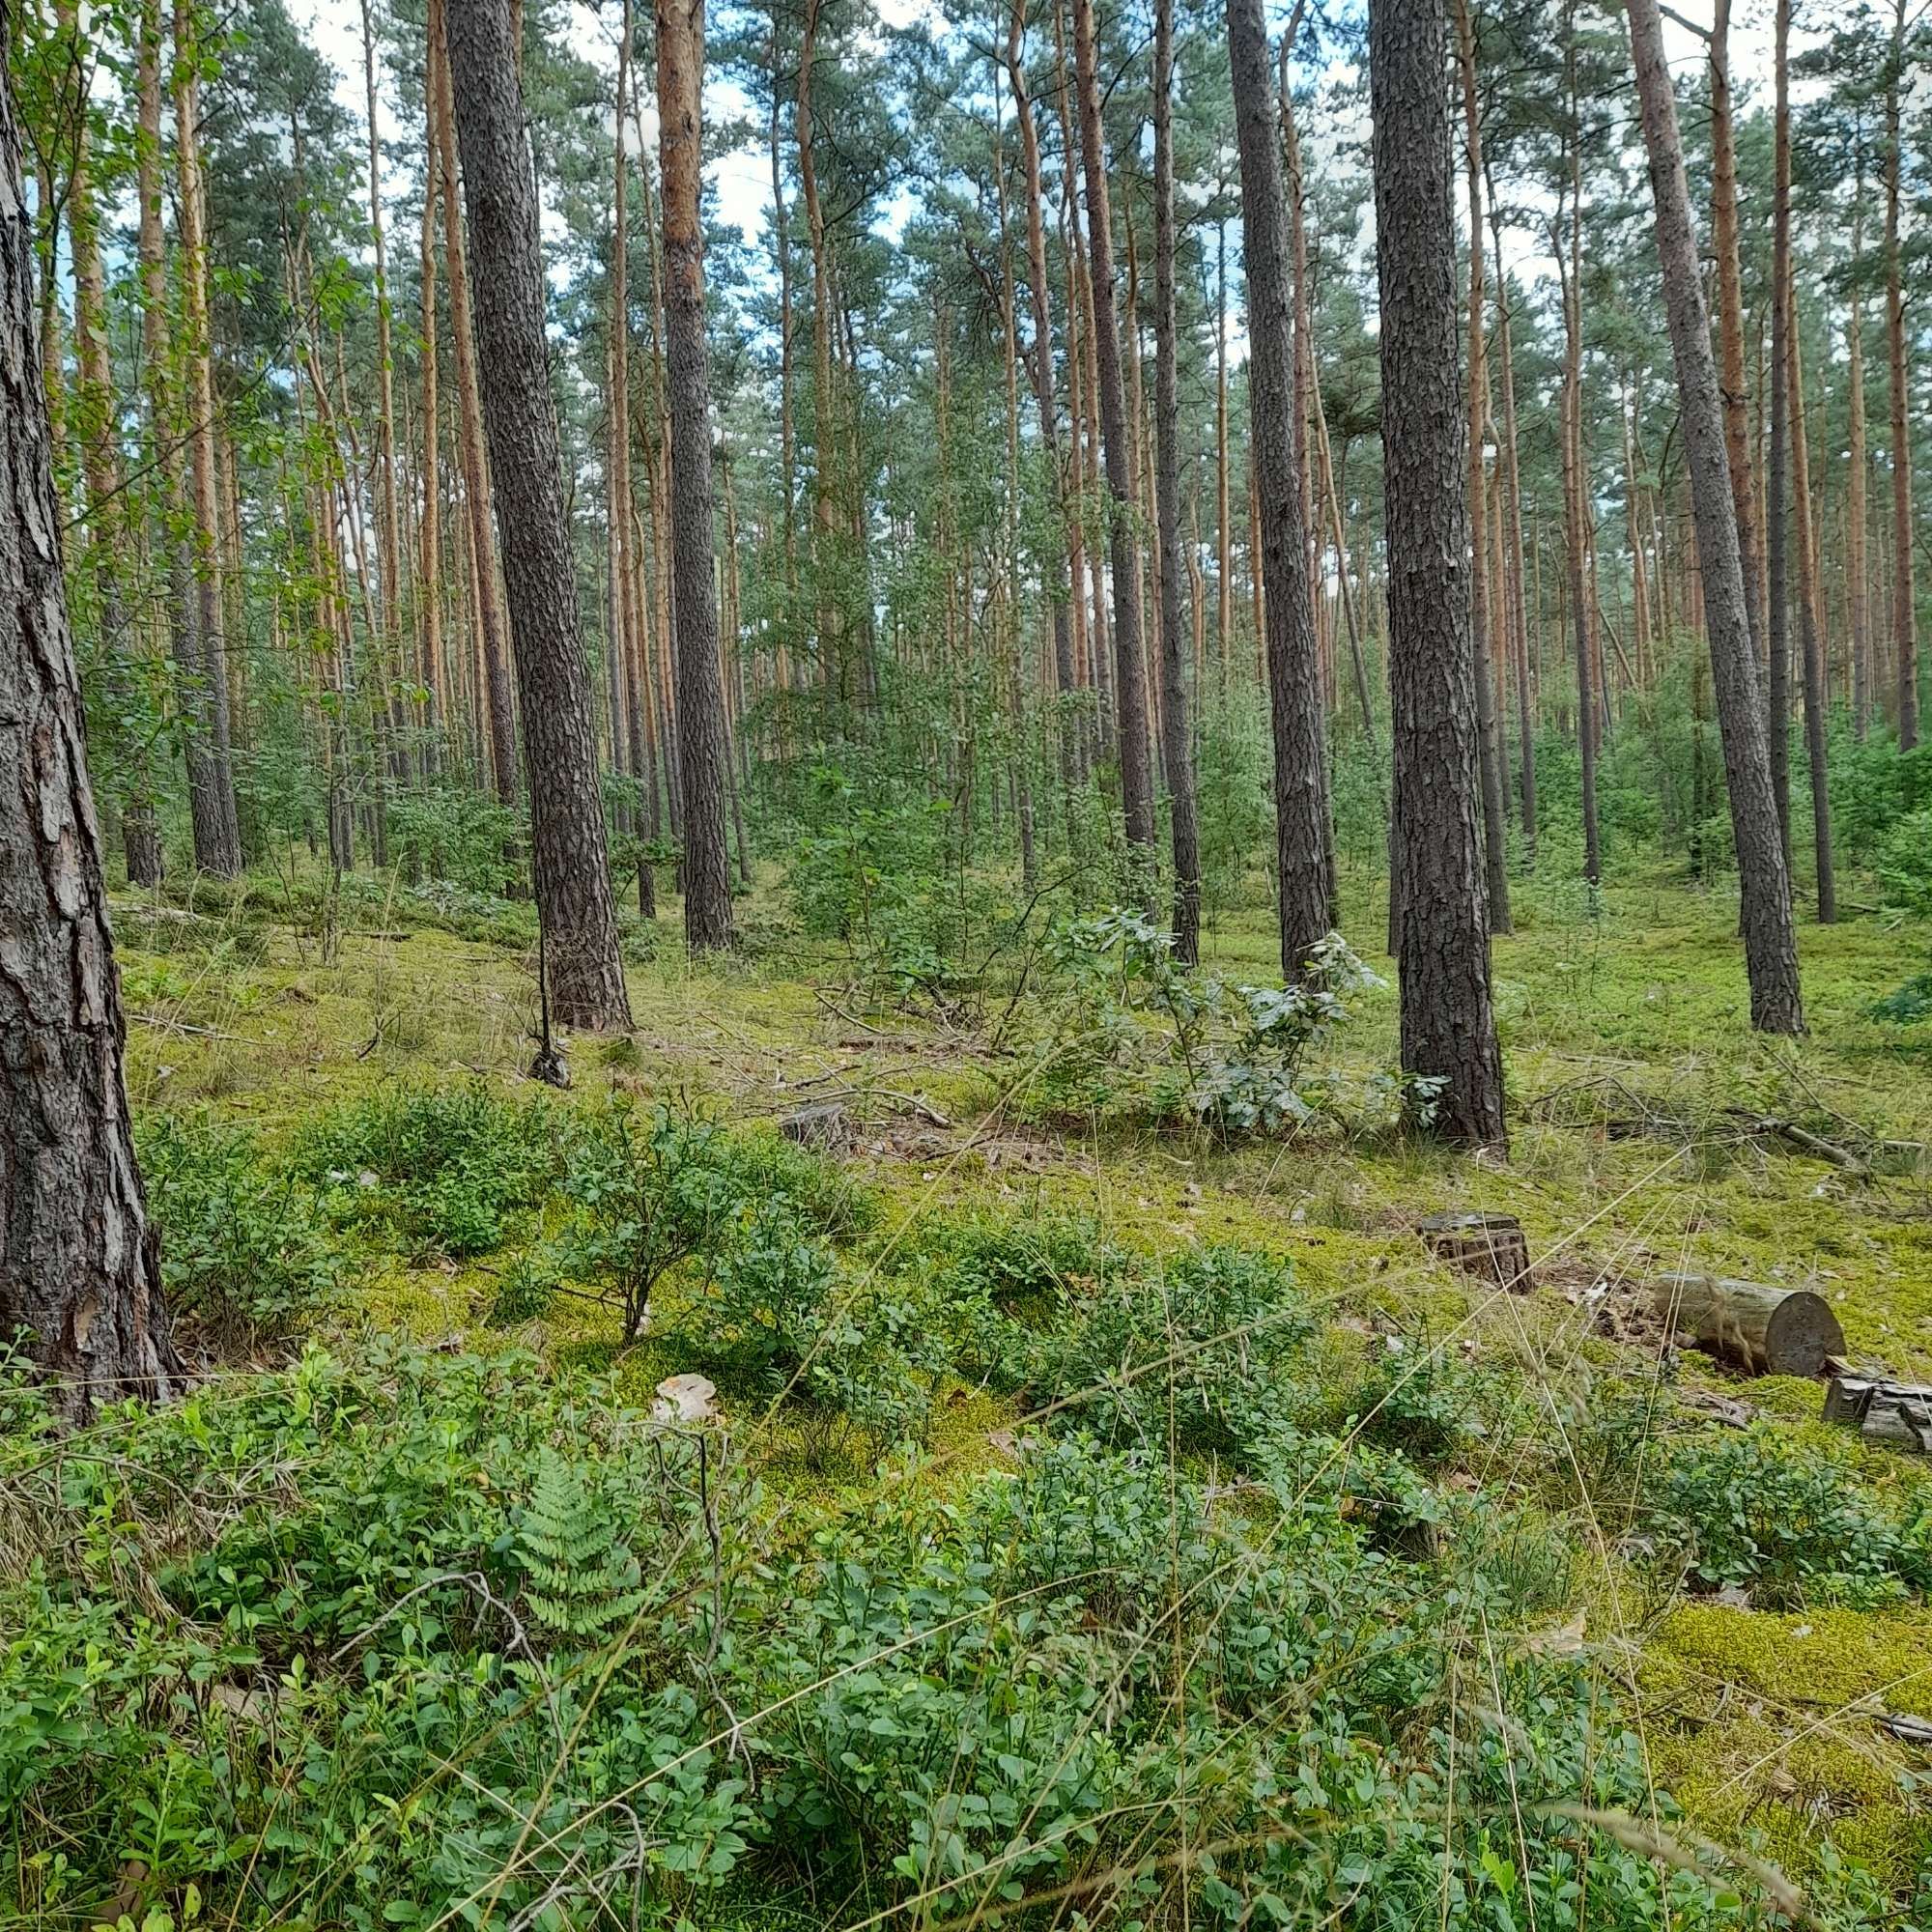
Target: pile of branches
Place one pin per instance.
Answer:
(1603, 1104)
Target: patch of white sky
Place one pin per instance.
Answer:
(739, 179)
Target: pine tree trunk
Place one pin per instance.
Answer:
(1575, 482)
(165, 437)
(224, 857)
(1810, 631)
(1482, 619)
(429, 525)
(1731, 318)
(488, 610)
(1223, 520)
(79, 1265)
(1301, 761)
(569, 862)
(1512, 489)
(1777, 626)
(700, 697)
(1059, 588)
(1448, 1024)
(1904, 619)
(391, 559)
(1770, 953)
(1857, 462)
(1175, 734)
(108, 528)
(825, 457)
(1130, 684)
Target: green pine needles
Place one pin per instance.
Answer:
(583, 1580)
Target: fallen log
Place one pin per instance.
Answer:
(1764, 1330)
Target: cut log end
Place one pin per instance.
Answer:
(1761, 1330)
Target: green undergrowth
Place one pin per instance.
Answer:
(1112, 1515)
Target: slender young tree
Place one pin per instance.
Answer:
(224, 857)
(1904, 624)
(1811, 633)
(1448, 1022)
(569, 859)
(108, 528)
(1482, 616)
(1731, 313)
(1058, 592)
(1777, 476)
(1129, 679)
(700, 696)
(1771, 951)
(1176, 745)
(1294, 670)
(79, 1265)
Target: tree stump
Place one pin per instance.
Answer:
(1763, 1330)
(1491, 1245)
(1898, 1415)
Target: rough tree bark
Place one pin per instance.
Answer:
(1448, 1023)
(569, 861)
(700, 697)
(1176, 745)
(1770, 953)
(496, 677)
(80, 1265)
(1129, 685)
(1294, 673)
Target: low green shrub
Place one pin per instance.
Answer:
(244, 1247)
(446, 1169)
(427, 1638)
(1792, 1523)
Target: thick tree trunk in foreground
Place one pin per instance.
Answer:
(79, 1266)
(700, 697)
(1448, 1025)
(1176, 743)
(1770, 953)
(569, 862)
(1129, 683)
(1294, 686)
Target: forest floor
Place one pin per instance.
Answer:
(1636, 1094)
